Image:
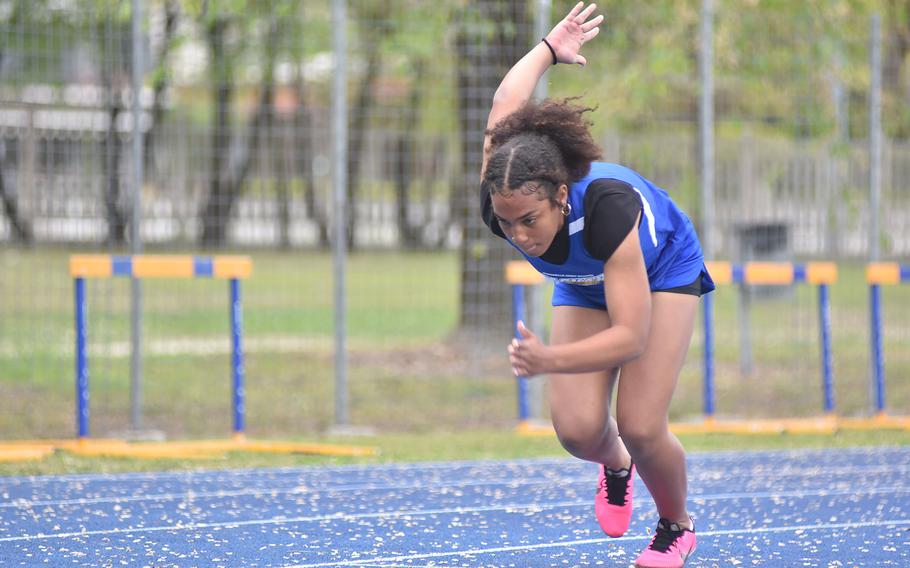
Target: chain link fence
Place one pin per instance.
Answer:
(236, 130)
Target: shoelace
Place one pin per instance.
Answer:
(617, 486)
(665, 536)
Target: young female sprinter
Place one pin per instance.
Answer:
(628, 271)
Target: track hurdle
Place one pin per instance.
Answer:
(877, 275)
(232, 268)
(821, 274)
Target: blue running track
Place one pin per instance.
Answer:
(843, 507)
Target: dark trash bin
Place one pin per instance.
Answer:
(758, 241)
(764, 241)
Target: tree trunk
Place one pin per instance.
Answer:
(259, 127)
(111, 146)
(113, 76)
(160, 83)
(20, 229)
(280, 150)
(483, 59)
(404, 160)
(357, 135)
(303, 136)
(230, 182)
(440, 165)
(214, 218)
(896, 47)
(111, 151)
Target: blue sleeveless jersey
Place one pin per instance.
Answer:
(669, 244)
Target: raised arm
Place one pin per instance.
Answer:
(565, 39)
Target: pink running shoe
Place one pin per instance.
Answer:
(669, 548)
(613, 503)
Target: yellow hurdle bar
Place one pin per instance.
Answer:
(821, 273)
(160, 266)
(232, 267)
(157, 266)
(721, 271)
(91, 266)
(883, 273)
(772, 273)
(521, 272)
(768, 273)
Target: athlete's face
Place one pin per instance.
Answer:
(529, 219)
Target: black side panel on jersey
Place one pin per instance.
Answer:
(611, 208)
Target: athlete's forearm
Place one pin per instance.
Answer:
(604, 350)
(519, 83)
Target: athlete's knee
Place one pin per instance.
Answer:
(586, 439)
(639, 434)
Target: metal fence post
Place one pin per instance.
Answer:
(706, 126)
(708, 380)
(541, 27)
(136, 220)
(875, 188)
(875, 135)
(706, 139)
(535, 386)
(339, 233)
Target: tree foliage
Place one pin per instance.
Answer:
(779, 66)
(776, 64)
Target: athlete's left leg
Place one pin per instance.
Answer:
(646, 387)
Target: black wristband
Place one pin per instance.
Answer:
(552, 51)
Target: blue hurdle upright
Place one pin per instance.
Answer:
(877, 275)
(519, 274)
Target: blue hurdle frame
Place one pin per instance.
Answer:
(82, 393)
(781, 274)
(878, 274)
(238, 372)
(518, 274)
(139, 266)
(518, 310)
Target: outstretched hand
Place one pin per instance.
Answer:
(527, 355)
(572, 32)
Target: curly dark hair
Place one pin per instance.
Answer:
(540, 146)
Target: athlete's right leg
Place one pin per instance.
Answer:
(580, 402)
(580, 409)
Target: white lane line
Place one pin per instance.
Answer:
(697, 459)
(409, 565)
(530, 547)
(699, 476)
(280, 521)
(533, 507)
(218, 475)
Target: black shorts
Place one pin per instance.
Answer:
(693, 289)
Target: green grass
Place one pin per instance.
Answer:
(481, 444)
(288, 293)
(406, 374)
